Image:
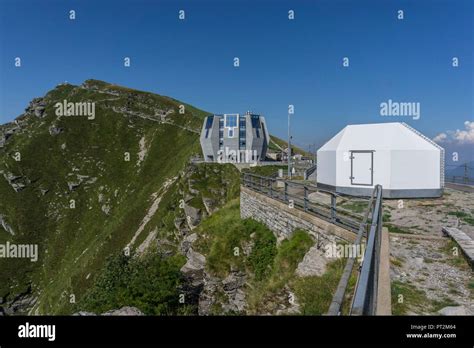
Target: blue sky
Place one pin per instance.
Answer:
(281, 61)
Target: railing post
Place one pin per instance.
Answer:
(305, 198)
(333, 208)
(286, 191)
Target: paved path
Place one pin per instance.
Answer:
(460, 187)
(464, 242)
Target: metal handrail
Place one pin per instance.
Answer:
(329, 212)
(338, 299)
(365, 297)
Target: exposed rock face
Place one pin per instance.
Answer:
(288, 304)
(193, 215)
(73, 185)
(188, 242)
(232, 286)
(80, 179)
(194, 267)
(210, 204)
(207, 295)
(6, 227)
(313, 264)
(84, 314)
(53, 130)
(124, 311)
(105, 209)
(36, 107)
(457, 310)
(233, 281)
(17, 182)
(21, 304)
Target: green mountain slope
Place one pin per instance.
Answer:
(277, 145)
(82, 189)
(116, 207)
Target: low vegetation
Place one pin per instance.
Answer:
(271, 268)
(315, 293)
(466, 217)
(406, 298)
(151, 284)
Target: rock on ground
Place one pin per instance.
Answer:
(313, 264)
(124, 311)
(457, 310)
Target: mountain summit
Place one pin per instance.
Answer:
(81, 188)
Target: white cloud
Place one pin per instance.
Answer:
(441, 137)
(465, 136)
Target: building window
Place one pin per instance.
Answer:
(256, 124)
(230, 133)
(209, 122)
(242, 132)
(231, 121)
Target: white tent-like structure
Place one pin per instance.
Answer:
(406, 163)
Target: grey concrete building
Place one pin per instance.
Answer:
(234, 138)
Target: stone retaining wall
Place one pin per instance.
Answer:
(283, 220)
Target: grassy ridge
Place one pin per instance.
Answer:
(74, 243)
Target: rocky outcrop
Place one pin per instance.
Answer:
(313, 264)
(6, 226)
(227, 294)
(37, 107)
(84, 314)
(188, 242)
(457, 310)
(80, 179)
(194, 267)
(53, 130)
(19, 305)
(105, 209)
(124, 311)
(72, 185)
(233, 288)
(17, 182)
(193, 215)
(207, 297)
(210, 205)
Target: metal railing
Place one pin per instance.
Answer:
(365, 297)
(364, 301)
(367, 225)
(328, 205)
(308, 172)
(458, 179)
(464, 178)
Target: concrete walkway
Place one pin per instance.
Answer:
(464, 242)
(460, 187)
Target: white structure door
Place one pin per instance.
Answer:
(362, 167)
